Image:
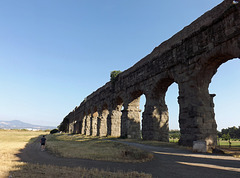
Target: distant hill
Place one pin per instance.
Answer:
(16, 124)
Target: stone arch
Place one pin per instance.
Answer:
(77, 124)
(118, 103)
(79, 131)
(114, 119)
(83, 129)
(88, 122)
(102, 121)
(197, 117)
(131, 116)
(75, 127)
(173, 106)
(155, 117)
(228, 81)
(189, 58)
(94, 121)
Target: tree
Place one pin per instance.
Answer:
(54, 131)
(234, 132)
(114, 75)
(174, 134)
(226, 136)
(64, 125)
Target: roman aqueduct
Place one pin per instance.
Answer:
(190, 59)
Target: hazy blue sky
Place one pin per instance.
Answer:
(54, 53)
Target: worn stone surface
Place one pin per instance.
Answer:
(190, 58)
(200, 146)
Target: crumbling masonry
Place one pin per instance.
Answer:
(190, 58)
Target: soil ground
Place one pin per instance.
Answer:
(167, 162)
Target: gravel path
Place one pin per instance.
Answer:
(167, 162)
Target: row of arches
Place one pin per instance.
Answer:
(124, 118)
(190, 59)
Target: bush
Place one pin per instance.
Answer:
(174, 134)
(54, 131)
(226, 136)
(114, 74)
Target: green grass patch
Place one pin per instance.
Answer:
(173, 144)
(225, 143)
(84, 147)
(233, 149)
(173, 140)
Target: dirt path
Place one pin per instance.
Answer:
(167, 162)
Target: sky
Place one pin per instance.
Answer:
(55, 53)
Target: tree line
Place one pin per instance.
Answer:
(225, 134)
(230, 133)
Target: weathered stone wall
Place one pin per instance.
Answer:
(190, 58)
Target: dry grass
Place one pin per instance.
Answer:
(79, 146)
(11, 142)
(43, 171)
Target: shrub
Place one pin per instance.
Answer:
(114, 74)
(226, 136)
(54, 131)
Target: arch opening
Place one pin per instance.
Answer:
(197, 116)
(142, 108)
(114, 118)
(94, 121)
(131, 116)
(102, 121)
(84, 123)
(173, 112)
(155, 124)
(226, 87)
(88, 123)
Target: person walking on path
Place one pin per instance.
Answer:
(43, 142)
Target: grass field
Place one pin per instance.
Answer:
(233, 149)
(225, 143)
(11, 142)
(86, 147)
(221, 143)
